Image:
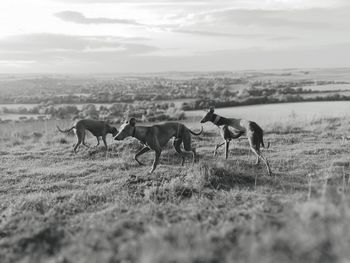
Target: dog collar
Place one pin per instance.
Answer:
(133, 133)
(217, 119)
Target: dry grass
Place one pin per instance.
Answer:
(91, 207)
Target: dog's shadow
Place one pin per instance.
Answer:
(168, 157)
(230, 174)
(240, 151)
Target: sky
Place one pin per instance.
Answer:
(119, 36)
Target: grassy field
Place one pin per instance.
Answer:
(95, 207)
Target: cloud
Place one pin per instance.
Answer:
(237, 4)
(16, 63)
(283, 38)
(76, 17)
(266, 25)
(113, 62)
(334, 55)
(270, 37)
(59, 43)
(142, 1)
(70, 54)
(218, 34)
(260, 18)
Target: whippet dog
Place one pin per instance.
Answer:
(97, 128)
(157, 136)
(251, 129)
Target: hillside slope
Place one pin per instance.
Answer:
(91, 207)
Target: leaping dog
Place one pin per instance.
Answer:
(251, 129)
(157, 136)
(97, 128)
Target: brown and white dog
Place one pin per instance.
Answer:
(97, 128)
(251, 129)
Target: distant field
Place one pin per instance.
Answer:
(328, 87)
(270, 113)
(327, 74)
(17, 106)
(325, 94)
(15, 117)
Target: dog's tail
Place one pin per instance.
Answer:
(197, 134)
(65, 131)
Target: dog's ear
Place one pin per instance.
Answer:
(211, 109)
(132, 122)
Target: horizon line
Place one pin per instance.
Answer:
(177, 71)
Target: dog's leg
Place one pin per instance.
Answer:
(84, 143)
(256, 153)
(177, 143)
(266, 163)
(156, 159)
(188, 147)
(105, 142)
(254, 143)
(257, 160)
(226, 150)
(76, 146)
(194, 154)
(142, 151)
(217, 147)
(98, 141)
(259, 155)
(80, 134)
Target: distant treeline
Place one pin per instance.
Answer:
(144, 111)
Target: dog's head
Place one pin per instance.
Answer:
(127, 129)
(208, 116)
